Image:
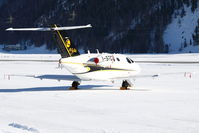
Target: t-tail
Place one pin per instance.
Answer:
(65, 46)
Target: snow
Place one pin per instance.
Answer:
(181, 29)
(190, 57)
(165, 104)
(193, 49)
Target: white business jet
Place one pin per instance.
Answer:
(98, 66)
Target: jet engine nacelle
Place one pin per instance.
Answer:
(101, 60)
(95, 61)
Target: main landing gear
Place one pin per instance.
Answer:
(74, 86)
(126, 84)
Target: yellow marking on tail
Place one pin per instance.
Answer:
(63, 41)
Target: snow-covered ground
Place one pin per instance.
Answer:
(165, 104)
(166, 57)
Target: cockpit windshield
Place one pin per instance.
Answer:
(132, 61)
(129, 60)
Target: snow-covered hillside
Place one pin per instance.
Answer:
(130, 26)
(178, 35)
(30, 50)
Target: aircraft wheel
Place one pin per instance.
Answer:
(75, 85)
(125, 85)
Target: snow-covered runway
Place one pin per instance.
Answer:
(164, 104)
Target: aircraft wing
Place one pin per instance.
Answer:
(58, 77)
(160, 75)
(50, 29)
(52, 77)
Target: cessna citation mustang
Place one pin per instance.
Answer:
(98, 66)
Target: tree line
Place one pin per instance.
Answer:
(118, 26)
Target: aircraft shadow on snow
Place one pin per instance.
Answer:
(56, 88)
(61, 88)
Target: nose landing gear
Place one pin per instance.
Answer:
(126, 84)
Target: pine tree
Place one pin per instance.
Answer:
(190, 43)
(185, 43)
(194, 5)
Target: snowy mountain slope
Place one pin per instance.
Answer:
(30, 50)
(118, 26)
(178, 35)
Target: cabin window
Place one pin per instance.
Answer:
(128, 60)
(118, 59)
(132, 61)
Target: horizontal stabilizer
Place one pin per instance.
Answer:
(28, 29)
(50, 29)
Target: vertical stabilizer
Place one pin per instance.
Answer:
(65, 45)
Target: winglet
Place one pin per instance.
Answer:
(89, 25)
(9, 29)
